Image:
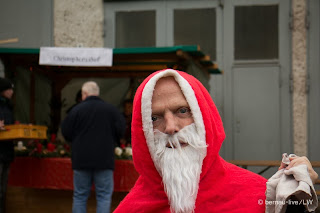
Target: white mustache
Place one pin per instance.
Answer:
(178, 140)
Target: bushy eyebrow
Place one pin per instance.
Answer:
(174, 109)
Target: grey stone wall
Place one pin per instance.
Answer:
(299, 74)
(78, 23)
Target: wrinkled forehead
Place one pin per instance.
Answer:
(189, 94)
(167, 90)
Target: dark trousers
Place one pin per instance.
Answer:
(4, 172)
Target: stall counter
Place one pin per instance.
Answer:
(56, 173)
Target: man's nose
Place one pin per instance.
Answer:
(171, 125)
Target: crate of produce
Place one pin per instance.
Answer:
(23, 131)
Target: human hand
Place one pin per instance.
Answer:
(2, 125)
(295, 161)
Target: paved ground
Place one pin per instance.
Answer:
(27, 200)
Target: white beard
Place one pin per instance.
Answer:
(180, 167)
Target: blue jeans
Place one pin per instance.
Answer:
(82, 183)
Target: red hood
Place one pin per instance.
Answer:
(222, 186)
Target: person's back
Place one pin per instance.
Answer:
(94, 134)
(93, 127)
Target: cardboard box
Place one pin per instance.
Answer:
(23, 131)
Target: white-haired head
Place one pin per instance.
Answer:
(90, 88)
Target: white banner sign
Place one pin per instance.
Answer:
(65, 56)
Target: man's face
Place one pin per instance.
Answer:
(7, 93)
(179, 151)
(170, 110)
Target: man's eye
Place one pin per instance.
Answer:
(184, 110)
(154, 118)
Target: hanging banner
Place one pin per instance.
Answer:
(66, 56)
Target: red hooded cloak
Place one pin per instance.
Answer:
(223, 187)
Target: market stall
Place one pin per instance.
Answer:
(39, 95)
(134, 64)
(41, 172)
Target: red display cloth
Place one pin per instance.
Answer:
(56, 173)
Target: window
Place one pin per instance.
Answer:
(135, 29)
(196, 27)
(163, 23)
(256, 32)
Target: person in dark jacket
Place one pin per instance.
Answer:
(6, 147)
(93, 127)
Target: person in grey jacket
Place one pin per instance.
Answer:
(93, 127)
(6, 147)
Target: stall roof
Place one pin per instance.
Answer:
(143, 59)
(134, 50)
(133, 63)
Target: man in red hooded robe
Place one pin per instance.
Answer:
(177, 133)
